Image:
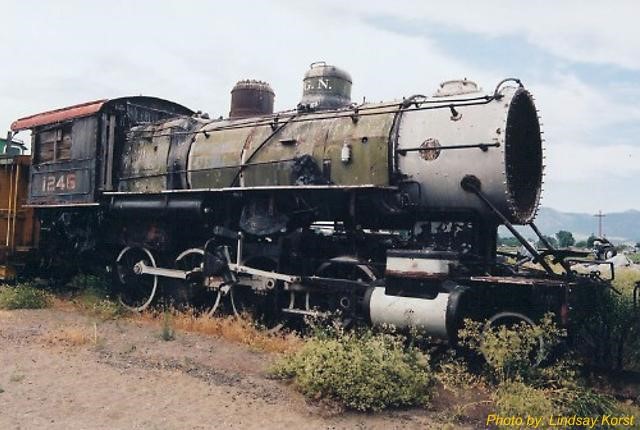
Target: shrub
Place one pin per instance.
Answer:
(524, 389)
(98, 303)
(582, 401)
(23, 296)
(454, 375)
(92, 295)
(519, 399)
(362, 370)
(513, 353)
(607, 326)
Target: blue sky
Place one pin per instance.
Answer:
(581, 60)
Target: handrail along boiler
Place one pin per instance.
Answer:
(384, 212)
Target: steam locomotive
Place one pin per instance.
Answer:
(378, 212)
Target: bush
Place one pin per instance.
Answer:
(91, 294)
(519, 399)
(23, 296)
(513, 352)
(362, 370)
(99, 304)
(607, 326)
(582, 401)
(523, 388)
(454, 375)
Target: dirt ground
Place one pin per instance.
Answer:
(60, 369)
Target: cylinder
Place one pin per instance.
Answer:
(325, 87)
(504, 150)
(251, 98)
(426, 315)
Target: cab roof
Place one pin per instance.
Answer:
(90, 108)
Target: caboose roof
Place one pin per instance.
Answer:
(87, 109)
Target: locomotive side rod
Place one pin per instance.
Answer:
(241, 269)
(140, 268)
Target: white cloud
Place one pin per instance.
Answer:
(584, 31)
(576, 114)
(195, 55)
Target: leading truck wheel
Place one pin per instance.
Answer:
(509, 320)
(136, 291)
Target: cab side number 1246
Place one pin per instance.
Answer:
(59, 183)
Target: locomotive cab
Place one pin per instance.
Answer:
(74, 148)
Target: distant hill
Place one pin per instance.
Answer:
(619, 226)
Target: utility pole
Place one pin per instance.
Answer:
(600, 215)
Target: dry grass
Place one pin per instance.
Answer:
(63, 304)
(239, 330)
(72, 335)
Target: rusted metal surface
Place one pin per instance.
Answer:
(18, 226)
(325, 87)
(152, 108)
(77, 148)
(456, 87)
(384, 176)
(512, 280)
(416, 275)
(58, 115)
(251, 98)
(496, 140)
(143, 162)
(344, 188)
(267, 158)
(66, 182)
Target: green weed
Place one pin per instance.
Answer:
(98, 303)
(23, 296)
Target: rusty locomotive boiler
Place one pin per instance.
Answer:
(378, 212)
